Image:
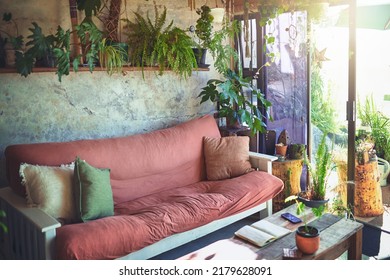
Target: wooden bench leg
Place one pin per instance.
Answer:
(355, 246)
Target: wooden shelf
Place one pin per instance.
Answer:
(86, 69)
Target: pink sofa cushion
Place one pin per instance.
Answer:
(140, 164)
(146, 220)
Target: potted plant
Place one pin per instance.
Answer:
(9, 43)
(296, 151)
(233, 95)
(173, 50)
(203, 31)
(307, 238)
(155, 43)
(112, 57)
(315, 193)
(45, 51)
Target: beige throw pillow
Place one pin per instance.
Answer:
(226, 157)
(50, 188)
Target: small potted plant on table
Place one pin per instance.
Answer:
(307, 238)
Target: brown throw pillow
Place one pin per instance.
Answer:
(226, 157)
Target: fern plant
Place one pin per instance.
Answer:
(174, 50)
(319, 173)
(379, 124)
(143, 35)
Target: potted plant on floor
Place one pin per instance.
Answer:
(315, 194)
(233, 95)
(307, 238)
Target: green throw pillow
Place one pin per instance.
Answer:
(93, 193)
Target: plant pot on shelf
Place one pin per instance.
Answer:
(307, 239)
(200, 56)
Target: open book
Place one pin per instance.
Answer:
(261, 232)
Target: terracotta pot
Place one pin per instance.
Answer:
(307, 242)
(280, 150)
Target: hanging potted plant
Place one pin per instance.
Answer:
(315, 194)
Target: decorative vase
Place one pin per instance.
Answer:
(307, 239)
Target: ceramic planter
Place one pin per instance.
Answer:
(307, 239)
(296, 151)
(280, 150)
(311, 203)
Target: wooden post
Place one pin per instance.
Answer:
(368, 193)
(289, 171)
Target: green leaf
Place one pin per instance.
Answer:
(24, 63)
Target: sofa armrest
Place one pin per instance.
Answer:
(31, 231)
(262, 162)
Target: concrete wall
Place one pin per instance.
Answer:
(84, 106)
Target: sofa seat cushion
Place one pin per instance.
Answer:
(148, 219)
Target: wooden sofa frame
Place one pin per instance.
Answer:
(32, 232)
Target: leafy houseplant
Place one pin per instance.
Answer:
(151, 43)
(174, 50)
(307, 238)
(90, 37)
(15, 40)
(233, 96)
(50, 50)
(203, 30)
(379, 125)
(319, 174)
(112, 57)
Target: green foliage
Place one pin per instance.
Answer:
(61, 51)
(111, 57)
(174, 50)
(300, 208)
(204, 26)
(219, 46)
(41, 46)
(156, 43)
(319, 173)
(234, 95)
(379, 125)
(323, 109)
(90, 36)
(143, 35)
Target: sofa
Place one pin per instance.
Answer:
(159, 190)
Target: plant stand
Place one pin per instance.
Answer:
(368, 193)
(289, 171)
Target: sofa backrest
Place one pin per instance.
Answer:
(140, 164)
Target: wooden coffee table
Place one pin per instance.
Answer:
(337, 236)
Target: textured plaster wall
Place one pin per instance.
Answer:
(84, 106)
